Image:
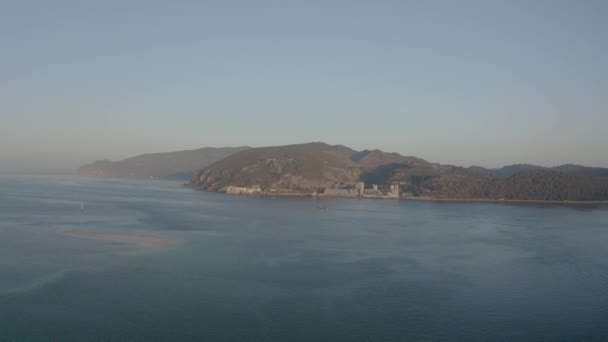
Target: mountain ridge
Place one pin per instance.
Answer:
(314, 167)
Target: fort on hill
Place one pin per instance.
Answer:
(358, 189)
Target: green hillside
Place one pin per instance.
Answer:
(302, 167)
(305, 168)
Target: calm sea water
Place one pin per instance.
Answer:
(261, 269)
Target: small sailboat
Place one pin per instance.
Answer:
(81, 206)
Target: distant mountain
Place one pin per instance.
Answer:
(173, 165)
(582, 170)
(567, 168)
(515, 168)
(305, 168)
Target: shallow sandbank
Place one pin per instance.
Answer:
(151, 240)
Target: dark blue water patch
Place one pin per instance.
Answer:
(263, 269)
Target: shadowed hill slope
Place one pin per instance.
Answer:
(301, 167)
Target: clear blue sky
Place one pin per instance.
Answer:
(463, 82)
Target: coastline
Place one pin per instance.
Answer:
(421, 198)
(489, 200)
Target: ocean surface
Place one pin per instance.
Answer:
(264, 269)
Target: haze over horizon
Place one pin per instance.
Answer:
(486, 83)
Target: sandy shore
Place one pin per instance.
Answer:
(150, 240)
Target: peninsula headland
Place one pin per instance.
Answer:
(319, 169)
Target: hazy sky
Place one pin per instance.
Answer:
(462, 82)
